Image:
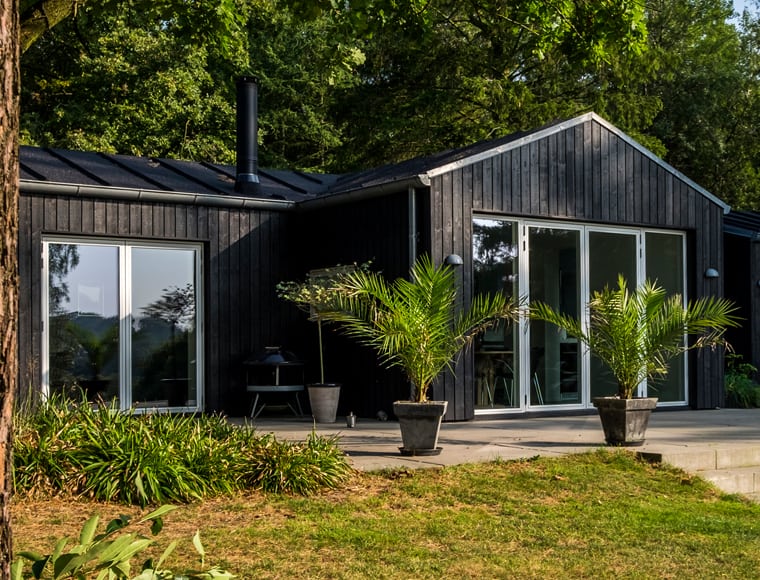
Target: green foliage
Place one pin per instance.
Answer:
(295, 467)
(742, 390)
(352, 85)
(109, 554)
(96, 451)
(636, 334)
(414, 324)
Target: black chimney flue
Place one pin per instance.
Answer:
(247, 149)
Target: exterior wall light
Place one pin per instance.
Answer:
(712, 273)
(453, 260)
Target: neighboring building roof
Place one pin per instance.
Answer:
(742, 223)
(193, 182)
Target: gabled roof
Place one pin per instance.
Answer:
(423, 169)
(98, 174)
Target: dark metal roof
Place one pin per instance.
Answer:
(419, 166)
(168, 175)
(45, 169)
(742, 223)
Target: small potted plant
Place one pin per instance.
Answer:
(415, 325)
(313, 296)
(636, 334)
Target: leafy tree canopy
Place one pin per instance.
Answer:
(348, 85)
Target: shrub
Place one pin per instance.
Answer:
(296, 467)
(741, 390)
(148, 459)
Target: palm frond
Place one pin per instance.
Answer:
(637, 333)
(413, 324)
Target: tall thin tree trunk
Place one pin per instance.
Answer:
(9, 176)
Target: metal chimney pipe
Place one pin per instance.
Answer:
(247, 148)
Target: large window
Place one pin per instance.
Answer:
(122, 322)
(531, 364)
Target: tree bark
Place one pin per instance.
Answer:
(39, 16)
(9, 184)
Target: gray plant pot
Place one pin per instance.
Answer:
(323, 398)
(420, 424)
(624, 421)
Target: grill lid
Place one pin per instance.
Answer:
(273, 356)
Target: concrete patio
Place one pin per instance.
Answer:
(722, 445)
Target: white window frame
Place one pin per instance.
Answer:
(523, 360)
(124, 247)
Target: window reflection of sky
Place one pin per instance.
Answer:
(93, 285)
(155, 270)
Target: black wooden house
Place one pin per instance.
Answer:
(152, 280)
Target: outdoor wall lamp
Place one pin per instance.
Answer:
(712, 273)
(453, 260)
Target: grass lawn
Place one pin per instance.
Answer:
(596, 515)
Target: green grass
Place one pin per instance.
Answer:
(596, 515)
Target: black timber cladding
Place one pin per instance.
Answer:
(245, 255)
(584, 173)
(376, 230)
(582, 170)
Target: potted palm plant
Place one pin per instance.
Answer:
(415, 325)
(636, 334)
(313, 296)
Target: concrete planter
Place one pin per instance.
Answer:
(624, 421)
(323, 398)
(420, 424)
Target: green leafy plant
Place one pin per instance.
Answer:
(93, 450)
(109, 555)
(414, 324)
(741, 389)
(637, 333)
(301, 467)
(315, 295)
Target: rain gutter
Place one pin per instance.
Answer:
(152, 195)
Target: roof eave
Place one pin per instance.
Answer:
(151, 195)
(368, 192)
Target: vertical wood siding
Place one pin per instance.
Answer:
(375, 230)
(586, 174)
(245, 255)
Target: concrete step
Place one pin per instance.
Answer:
(708, 458)
(744, 480)
(734, 469)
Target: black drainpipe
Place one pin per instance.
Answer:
(247, 149)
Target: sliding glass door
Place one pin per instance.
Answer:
(495, 264)
(665, 266)
(122, 322)
(555, 279)
(529, 365)
(610, 255)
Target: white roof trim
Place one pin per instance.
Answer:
(543, 133)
